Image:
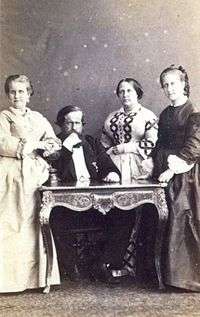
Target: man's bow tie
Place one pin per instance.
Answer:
(77, 145)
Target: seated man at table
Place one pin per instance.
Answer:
(83, 159)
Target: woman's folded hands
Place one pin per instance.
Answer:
(49, 146)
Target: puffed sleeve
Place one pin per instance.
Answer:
(147, 142)
(9, 145)
(190, 152)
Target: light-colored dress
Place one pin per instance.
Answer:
(136, 131)
(22, 256)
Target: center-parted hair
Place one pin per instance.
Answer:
(183, 76)
(136, 85)
(65, 111)
(21, 79)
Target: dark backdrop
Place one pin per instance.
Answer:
(76, 51)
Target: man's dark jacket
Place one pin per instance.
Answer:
(98, 162)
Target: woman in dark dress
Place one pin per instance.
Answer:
(176, 158)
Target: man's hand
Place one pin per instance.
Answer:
(71, 140)
(166, 176)
(112, 177)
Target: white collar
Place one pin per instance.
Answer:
(19, 112)
(179, 104)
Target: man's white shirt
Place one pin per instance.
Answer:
(78, 157)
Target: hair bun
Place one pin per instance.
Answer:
(181, 69)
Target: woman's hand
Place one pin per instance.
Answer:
(129, 147)
(112, 177)
(117, 149)
(49, 146)
(177, 165)
(166, 176)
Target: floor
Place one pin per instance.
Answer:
(95, 299)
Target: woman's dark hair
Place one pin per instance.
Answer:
(64, 111)
(183, 76)
(21, 79)
(136, 85)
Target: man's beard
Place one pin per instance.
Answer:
(80, 135)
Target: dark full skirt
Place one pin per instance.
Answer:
(183, 254)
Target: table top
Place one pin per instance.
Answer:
(135, 184)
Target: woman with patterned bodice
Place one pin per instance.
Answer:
(176, 158)
(130, 133)
(23, 134)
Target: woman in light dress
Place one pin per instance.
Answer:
(23, 134)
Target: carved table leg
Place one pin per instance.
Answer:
(160, 203)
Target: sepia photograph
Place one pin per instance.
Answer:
(99, 158)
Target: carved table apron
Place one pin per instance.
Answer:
(103, 197)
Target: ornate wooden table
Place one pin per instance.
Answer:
(103, 197)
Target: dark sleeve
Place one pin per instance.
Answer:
(63, 162)
(190, 152)
(160, 153)
(104, 162)
(52, 159)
